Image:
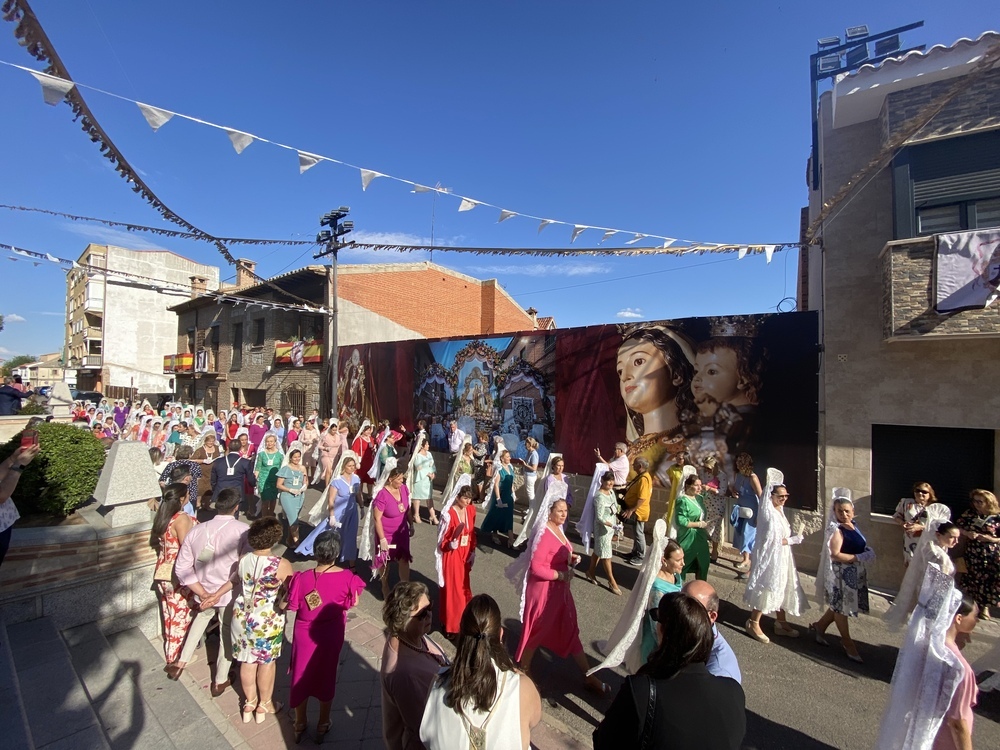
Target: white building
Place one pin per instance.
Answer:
(118, 325)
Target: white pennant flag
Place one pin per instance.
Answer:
(155, 116)
(668, 243)
(505, 214)
(367, 175)
(76, 265)
(307, 161)
(635, 239)
(239, 139)
(53, 89)
(545, 223)
(578, 229)
(421, 189)
(20, 252)
(467, 204)
(52, 258)
(742, 253)
(769, 251)
(607, 236)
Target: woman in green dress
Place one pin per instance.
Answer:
(500, 518)
(668, 580)
(691, 525)
(422, 477)
(266, 467)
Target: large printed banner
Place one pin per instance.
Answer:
(677, 391)
(967, 269)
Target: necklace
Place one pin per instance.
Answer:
(439, 657)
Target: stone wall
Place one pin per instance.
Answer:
(975, 108)
(908, 297)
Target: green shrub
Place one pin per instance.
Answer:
(64, 473)
(31, 408)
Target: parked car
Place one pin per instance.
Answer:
(92, 396)
(44, 391)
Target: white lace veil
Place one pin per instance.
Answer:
(529, 518)
(320, 510)
(909, 589)
(206, 431)
(927, 672)
(768, 577)
(367, 543)
(410, 468)
(463, 481)
(517, 571)
(453, 475)
(585, 526)
(500, 448)
(375, 472)
(364, 423)
(824, 574)
(295, 445)
(625, 642)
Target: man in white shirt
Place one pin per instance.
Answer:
(619, 464)
(455, 438)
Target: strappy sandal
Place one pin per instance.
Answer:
(817, 636)
(249, 707)
(264, 708)
(298, 730)
(321, 730)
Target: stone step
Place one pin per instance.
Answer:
(58, 711)
(13, 719)
(138, 707)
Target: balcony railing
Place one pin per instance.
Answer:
(93, 332)
(909, 297)
(92, 360)
(205, 361)
(93, 304)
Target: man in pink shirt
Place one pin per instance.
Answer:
(206, 563)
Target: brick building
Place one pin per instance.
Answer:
(906, 392)
(271, 352)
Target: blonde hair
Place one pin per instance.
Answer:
(992, 506)
(530, 443)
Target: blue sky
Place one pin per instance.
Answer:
(683, 119)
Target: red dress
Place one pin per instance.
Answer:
(366, 449)
(455, 567)
(549, 610)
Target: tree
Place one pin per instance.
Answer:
(14, 362)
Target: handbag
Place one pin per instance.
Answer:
(164, 571)
(645, 716)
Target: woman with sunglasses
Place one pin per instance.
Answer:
(911, 514)
(410, 663)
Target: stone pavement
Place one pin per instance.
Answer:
(356, 714)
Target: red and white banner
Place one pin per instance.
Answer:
(967, 269)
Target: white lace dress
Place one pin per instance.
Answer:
(773, 583)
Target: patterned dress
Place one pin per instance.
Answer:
(982, 559)
(850, 580)
(175, 600)
(605, 506)
(257, 628)
(911, 512)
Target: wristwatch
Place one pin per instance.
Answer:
(18, 468)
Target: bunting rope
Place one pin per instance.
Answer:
(57, 85)
(37, 259)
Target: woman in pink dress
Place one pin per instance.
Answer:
(330, 445)
(549, 617)
(390, 510)
(320, 598)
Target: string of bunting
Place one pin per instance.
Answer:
(36, 259)
(30, 34)
(56, 85)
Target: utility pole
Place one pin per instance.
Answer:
(338, 227)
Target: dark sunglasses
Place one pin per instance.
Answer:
(425, 612)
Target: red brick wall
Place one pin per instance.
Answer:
(434, 303)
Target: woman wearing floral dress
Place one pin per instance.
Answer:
(605, 509)
(980, 524)
(170, 526)
(911, 514)
(258, 627)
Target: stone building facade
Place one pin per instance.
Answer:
(906, 393)
(231, 343)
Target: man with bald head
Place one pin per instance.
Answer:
(722, 661)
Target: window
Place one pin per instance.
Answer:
(952, 460)
(939, 219)
(237, 346)
(987, 213)
(959, 217)
(191, 341)
(258, 332)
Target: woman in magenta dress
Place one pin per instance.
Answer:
(549, 613)
(320, 599)
(390, 512)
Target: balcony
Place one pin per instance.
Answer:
(909, 297)
(93, 304)
(205, 362)
(93, 333)
(91, 361)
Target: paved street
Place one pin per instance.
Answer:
(800, 695)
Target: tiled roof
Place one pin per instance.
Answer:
(935, 51)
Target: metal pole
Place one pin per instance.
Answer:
(332, 328)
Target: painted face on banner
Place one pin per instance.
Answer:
(716, 376)
(644, 378)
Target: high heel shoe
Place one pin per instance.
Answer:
(616, 591)
(264, 708)
(817, 636)
(852, 653)
(298, 730)
(753, 630)
(249, 706)
(321, 730)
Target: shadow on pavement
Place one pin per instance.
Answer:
(764, 734)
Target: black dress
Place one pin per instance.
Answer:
(695, 710)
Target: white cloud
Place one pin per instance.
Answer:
(630, 312)
(545, 269)
(13, 318)
(102, 235)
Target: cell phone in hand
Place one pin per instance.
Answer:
(29, 438)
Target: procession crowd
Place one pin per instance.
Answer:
(685, 683)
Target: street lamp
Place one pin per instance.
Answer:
(338, 228)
